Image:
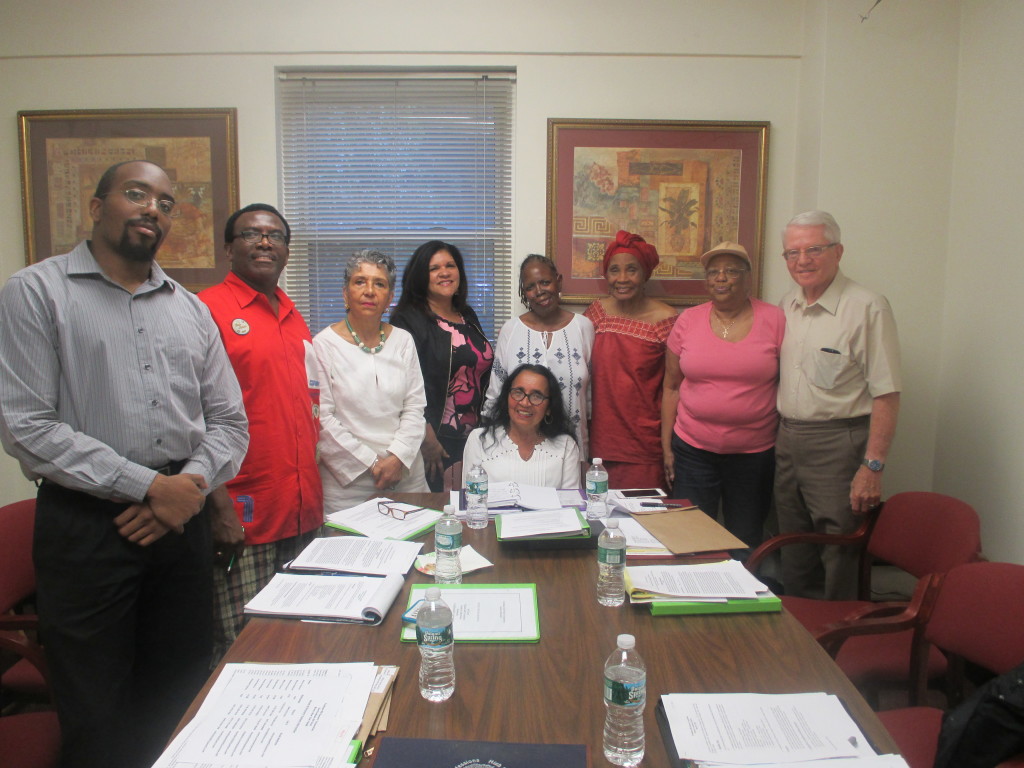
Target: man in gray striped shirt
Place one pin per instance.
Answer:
(117, 394)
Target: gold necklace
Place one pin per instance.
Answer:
(726, 328)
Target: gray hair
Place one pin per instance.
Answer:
(816, 219)
(373, 258)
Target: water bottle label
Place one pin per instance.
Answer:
(479, 487)
(610, 556)
(597, 486)
(624, 694)
(434, 638)
(447, 540)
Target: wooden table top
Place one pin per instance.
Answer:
(551, 691)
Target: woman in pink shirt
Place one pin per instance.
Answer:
(718, 417)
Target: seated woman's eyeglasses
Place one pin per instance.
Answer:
(392, 509)
(535, 398)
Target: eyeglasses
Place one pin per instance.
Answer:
(813, 252)
(536, 398)
(392, 509)
(144, 199)
(730, 272)
(251, 236)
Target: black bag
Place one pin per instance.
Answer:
(987, 728)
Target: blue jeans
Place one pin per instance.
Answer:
(741, 482)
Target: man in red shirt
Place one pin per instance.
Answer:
(274, 507)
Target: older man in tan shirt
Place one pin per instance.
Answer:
(839, 395)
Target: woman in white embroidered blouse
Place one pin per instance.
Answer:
(371, 396)
(548, 335)
(526, 435)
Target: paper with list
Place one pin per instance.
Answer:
(355, 554)
(727, 579)
(275, 716)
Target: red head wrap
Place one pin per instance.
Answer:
(626, 242)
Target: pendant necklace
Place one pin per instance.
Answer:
(366, 349)
(726, 328)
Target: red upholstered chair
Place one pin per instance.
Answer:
(17, 584)
(977, 617)
(28, 739)
(921, 532)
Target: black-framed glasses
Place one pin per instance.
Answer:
(536, 398)
(251, 236)
(393, 509)
(811, 252)
(144, 199)
(730, 272)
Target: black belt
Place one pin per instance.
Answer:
(171, 468)
(856, 421)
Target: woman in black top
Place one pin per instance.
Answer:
(455, 356)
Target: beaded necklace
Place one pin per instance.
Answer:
(366, 349)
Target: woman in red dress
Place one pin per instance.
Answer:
(627, 367)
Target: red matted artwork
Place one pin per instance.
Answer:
(64, 154)
(683, 186)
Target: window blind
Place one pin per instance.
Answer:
(389, 161)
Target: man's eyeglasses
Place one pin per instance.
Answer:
(144, 199)
(535, 398)
(392, 509)
(730, 272)
(251, 236)
(812, 252)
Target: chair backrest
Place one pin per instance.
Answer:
(978, 615)
(923, 532)
(17, 576)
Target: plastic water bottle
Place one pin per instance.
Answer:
(625, 693)
(447, 546)
(437, 649)
(611, 564)
(476, 497)
(597, 491)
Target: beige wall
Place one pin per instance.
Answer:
(863, 115)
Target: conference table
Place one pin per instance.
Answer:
(551, 691)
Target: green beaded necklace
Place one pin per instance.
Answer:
(366, 349)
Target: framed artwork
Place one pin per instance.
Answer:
(682, 186)
(63, 155)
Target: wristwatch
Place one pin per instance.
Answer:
(873, 464)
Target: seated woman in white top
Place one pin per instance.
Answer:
(526, 437)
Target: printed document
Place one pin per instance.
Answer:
(367, 520)
(275, 716)
(727, 579)
(355, 554)
(752, 728)
(356, 599)
(485, 612)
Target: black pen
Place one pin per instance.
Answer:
(830, 350)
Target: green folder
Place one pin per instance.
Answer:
(581, 534)
(769, 604)
(523, 597)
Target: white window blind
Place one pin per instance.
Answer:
(389, 161)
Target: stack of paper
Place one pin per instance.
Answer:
(349, 599)
(260, 714)
(639, 541)
(541, 524)
(367, 520)
(795, 729)
(351, 554)
(723, 587)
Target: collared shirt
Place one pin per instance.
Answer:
(98, 386)
(277, 492)
(838, 354)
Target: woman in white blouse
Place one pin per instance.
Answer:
(548, 335)
(371, 396)
(526, 435)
